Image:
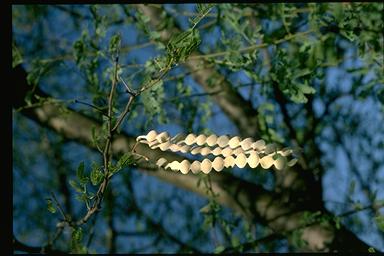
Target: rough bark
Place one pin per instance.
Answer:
(267, 207)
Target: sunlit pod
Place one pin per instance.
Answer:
(161, 162)
(229, 162)
(292, 162)
(222, 141)
(267, 161)
(217, 151)
(164, 146)
(237, 151)
(174, 166)
(241, 160)
(218, 164)
(226, 151)
(253, 160)
(211, 140)
(184, 166)
(270, 148)
(195, 167)
(196, 150)
(163, 137)
(246, 144)
(178, 138)
(205, 151)
(206, 166)
(174, 148)
(200, 140)
(258, 145)
(234, 142)
(280, 162)
(190, 139)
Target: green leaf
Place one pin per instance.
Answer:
(219, 249)
(124, 161)
(51, 208)
(380, 222)
(77, 234)
(96, 175)
(81, 175)
(306, 89)
(114, 44)
(76, 186)
(371, 249)
(16, 56)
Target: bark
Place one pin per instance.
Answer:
(271, 208)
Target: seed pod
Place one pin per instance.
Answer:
(195, 167)
(175, 166)
(234, 142)
(218, 164)
(184, 166)
(226, 151)
(190, 139)
(241, 160)
(164, 146)
(153, 144)
(246, 144)
(258, 145)
(222, 141)
(196, 150)
(200, 140)
(205, 151)
(237, 151)
(151, 136)
(292, 162)
(174, 148)
(217, 151)
(267, 161)
(280, 162)
(229, 162)
(162, 137)
(206, 166)
(177, 138)
(184, 149)
(253, 159)
(161, 162)
(211, 140)
(270, 148)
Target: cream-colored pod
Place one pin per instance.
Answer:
(270, 148)
(184, 166)
(196, 150)
(162, 137)
(267, 161)
(229, 162)
(164, 146)
(280, 162)
(211, 140)
(200, 140)
(241, 160)
(174, 148)
(258, 145)
(205, 151)
(222, 141)
(246, 144)
(253, 159)
(237, 151)
(151, 135)
(174, 166)
(161, 162)
(234, 142)
(195, 167)
(292, 162)
(190, 139)
(216, 151)
(206, 166)
(218, 164)
(226, 151)
(184, 149)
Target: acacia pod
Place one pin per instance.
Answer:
(161, 162)
(218, 164)
(234, 142)
(241, 160)
(164, 146)
(162, 137)
(184, 166)
(258, 145)
(229, 162)
(205, 151)
(190, 139)
(174, 166)
(211, 140)
(153, 144)
(237, 151)
(200, 140)
(253, 159)
(196, 150)
(195, 167)
(206, 166)
(177, 138)
(246, 144)
(267, 161)
(226, 151)
(292, 162)
(222, 141)
(185, 149)
(270, 148)
(174, 148)
(216, 151)
(280, 162)
(286, 151)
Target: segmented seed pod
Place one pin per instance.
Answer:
(280, 162)
(174, 148)
(196, 150)
(190, 139)
(246, 144)
(184, 166)
(195, 167)
(205, 151)
(153, 144)
(237, 151)
(253, 159)
(200, 140)
(164, 146)
(218, 164)
(206, 166)
(229, 162)
(217, 151)
(267, 161)
(259, 145)
(177, 138)
(162, 137)
(226, 151)
(161, 162)
(184, 149)
(211, 140)
(174, 166)
(234, 142)
(222, 141)
(286, 152)
(270, 148)
(292, 162)
(241, 160)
